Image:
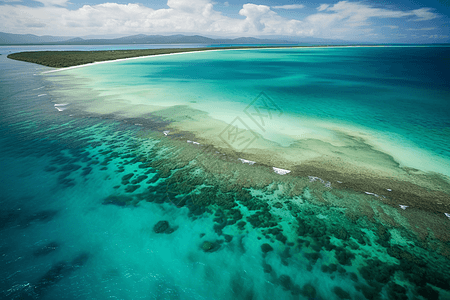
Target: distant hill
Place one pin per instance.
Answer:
(30, 39)
(171, 39)
(317, 41)
(23, 39)
(197, 39)
(20, 39)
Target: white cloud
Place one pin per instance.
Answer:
(424, 14)
(359, 11)
(192, 7)
(53, 2)
(352, 17)
(226, 3)
(427, 28)
(391, 26)
(255, 15)
(363, 11)
(323, 7)
(261, 19)
(344, 20)
(436, 36)
(291, 6)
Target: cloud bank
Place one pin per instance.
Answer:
(342, 20)
(291, 6)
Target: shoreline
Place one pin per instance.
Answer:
(34, 57)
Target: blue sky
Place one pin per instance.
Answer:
(380, 21)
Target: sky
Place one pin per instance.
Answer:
(402, 21)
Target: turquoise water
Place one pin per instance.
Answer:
(73, 227)
(403, 102)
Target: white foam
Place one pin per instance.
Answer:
(42, 95)
(280, 171)
(166, 132)
(447, 215)
(368, 193)
(61, 106)
(389, 190)
(245, 161)
(403, 206)
(192, 142)
(39, 88)
(326, 183)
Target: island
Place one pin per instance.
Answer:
(64, 59)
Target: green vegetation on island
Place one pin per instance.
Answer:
(62, 59)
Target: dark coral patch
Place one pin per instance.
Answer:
(341, 293)
(117, 200)
(131, 188)
(266, 248)
(285, 281)
(208, 246)
(309, 291)
(163, 227)
(428, 292)
(47, 249)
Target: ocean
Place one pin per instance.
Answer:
(290, 173)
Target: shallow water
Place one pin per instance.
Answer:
(399, 101)
(81, 192)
